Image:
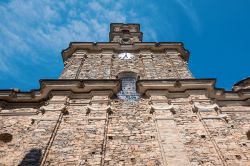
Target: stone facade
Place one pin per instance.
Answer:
(107, 65)
(144, 110)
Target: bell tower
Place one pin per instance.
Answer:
(125, 33)
(126, 102)
(125, 52)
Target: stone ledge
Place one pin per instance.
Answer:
(66, 87)
(170, 87)
(99, 46)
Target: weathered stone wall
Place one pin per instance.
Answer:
(30, 134)
(175, 125)
(147, 65)
(72, 66)
(132, 135)
(101, 131)
(198, 145)
(168, 134)
(237, 144)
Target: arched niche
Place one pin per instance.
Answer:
(128, 86)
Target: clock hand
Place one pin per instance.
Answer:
(126, 55)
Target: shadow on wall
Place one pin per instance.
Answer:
(32, 158)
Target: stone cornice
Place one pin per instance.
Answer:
(168, 87)
(243, 84)
(116, 47)
(190, 86)
(65, 87)
(130, 24)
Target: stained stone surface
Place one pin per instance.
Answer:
(101, 131)
(131, 136)
(169, 127)
(30, 134)
(148, 65)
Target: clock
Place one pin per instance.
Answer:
(125, 56)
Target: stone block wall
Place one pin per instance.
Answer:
(148, 65)
(155, 131)
(237, 138)
(30, 136)
(132, 136)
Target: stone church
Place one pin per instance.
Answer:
(126, 103)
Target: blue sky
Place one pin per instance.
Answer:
(33, 33)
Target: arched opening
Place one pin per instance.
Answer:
(128, 86)
(125, 40)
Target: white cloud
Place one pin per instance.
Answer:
(35, 32)
(188, 7)
(95, 6)
(31, 24)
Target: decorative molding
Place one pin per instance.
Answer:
(162, 106)
(220, 116)
(199, 108)
(66, 87)
(205, 107)
(91, 108)
(162, 118)
(112, 86)
(243, 84)
(116, 47)
(53, 107)
(191, 87)
(19, 113)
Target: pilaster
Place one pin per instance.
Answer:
(172, 149)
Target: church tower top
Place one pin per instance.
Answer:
(125, 33)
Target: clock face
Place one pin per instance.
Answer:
(126, 56)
